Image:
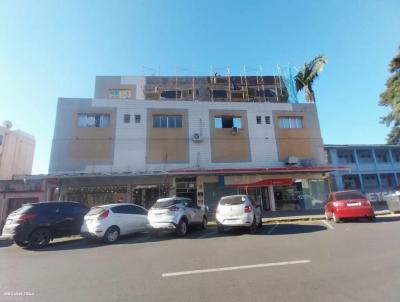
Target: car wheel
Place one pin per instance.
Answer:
(220, 228)
(111, 235)
(182, 228)
(204, 223)
(21, 243)
(253, 227)
(39, 238)
(335, 218)
(372, 218)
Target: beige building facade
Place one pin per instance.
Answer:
(17, 149)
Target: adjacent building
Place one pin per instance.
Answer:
(375, 169)
(142, 138)
(16, 152)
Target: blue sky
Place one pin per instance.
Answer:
(51, 49)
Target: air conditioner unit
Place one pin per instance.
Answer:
(197, 138)
(234, 130)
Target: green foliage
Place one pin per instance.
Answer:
(391, 98)
(306, 76)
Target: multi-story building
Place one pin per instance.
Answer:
(375, 169)
(200, 137)
(16, 152)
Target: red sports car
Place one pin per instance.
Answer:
(348, 204)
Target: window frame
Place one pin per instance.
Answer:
(167, 121)
(127, 118)
(291, 122)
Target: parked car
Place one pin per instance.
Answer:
(35, 225)
(238, 211)
(176, 213)
(109, 222)
(348, 204)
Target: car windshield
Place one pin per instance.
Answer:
(162, 204)
(95, 211)
(349, 195)
(232, 200)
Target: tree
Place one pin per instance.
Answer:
(391, 98)
(306, 76)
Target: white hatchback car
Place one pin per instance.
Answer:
(238, 211)
(176, 213)
(108, 222)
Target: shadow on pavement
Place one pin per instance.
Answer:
(289, 229)
(379, 219)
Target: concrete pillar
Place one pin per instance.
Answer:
(272, 198)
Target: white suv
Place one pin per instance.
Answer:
(238, 211)
(176, 213)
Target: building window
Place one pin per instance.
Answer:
(365, 156)
(388, 180)
(1, 140)
(93, 120)
(291, 122)
(120, 93)
(137, 118)
(267, 119)
(167, 121)
(258, 119)
(382, 155)
(127, 118)
(228, 122)
(396, 155)
(346, 157)
(351, 182)
(219, 94)
(370, 181)
(171, 94)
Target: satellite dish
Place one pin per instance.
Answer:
(7, 124)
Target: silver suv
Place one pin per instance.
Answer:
(176, 213)
(238, 211)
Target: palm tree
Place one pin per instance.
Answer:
(306, 76)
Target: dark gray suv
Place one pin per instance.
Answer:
(34, 225)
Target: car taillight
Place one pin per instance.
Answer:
(26, 217)
(103, 215)
(247, 209)
(173, 208)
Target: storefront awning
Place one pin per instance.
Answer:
(265, 183)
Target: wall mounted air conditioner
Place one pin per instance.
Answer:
(234, 130)
(292, 160)
(197, 138)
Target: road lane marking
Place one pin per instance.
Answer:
(233, 268)
(208, 235)
(328, 224)
(272, 229)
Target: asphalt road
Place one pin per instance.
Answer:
(310, 261)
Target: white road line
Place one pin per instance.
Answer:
(273, 228)
(233, 268)
(208, 235)
(328, 224)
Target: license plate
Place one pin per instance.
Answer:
(354, 204)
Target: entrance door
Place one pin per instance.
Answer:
(186, 187)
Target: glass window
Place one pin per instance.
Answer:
(124, 209)
(232, 200)
(167, 121)
(165, 203)
(228, 122)
(137, 118)
(267, 119)
(291, 122)
(345, 156)
(258, 119)
(127, 118)
(93, 120)
(365, 156)
(351, 182)
(370, 181)
(349, 195)
(382, 155)
(388, 180)
(120, 93)
(395, 154)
